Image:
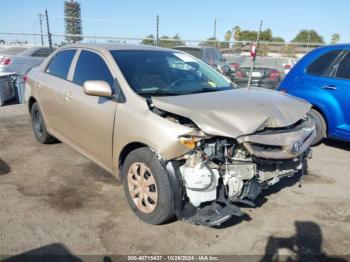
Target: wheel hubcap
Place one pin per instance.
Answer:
(142, 187)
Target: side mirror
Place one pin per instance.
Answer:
(97, 88)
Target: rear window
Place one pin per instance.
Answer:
(60, 64)
(322, 63)
(344, 68)
(42, 52)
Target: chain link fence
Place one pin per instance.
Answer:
(273, 59)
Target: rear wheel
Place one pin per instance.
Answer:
(147, 186)
(321, 127)
(39, 128)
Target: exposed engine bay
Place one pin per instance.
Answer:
(220, 172)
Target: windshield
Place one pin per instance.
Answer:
(159, 73)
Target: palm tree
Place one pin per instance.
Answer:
(228, 36)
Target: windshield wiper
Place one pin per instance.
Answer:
(207, 90)
(158, 92)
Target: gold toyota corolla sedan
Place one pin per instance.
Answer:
(185, 141)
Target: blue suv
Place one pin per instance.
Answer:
(322, 77)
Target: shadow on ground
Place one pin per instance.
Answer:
(4, 168)
(304, 245)
(53, 252)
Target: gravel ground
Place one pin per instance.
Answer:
(53, 200)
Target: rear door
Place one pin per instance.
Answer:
(90, 119)
(51, 89)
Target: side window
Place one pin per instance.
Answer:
(321, 64)
(209, 56)
(91, 66)
(344, 68)
(60, 64)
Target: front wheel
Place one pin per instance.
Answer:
(147, 186)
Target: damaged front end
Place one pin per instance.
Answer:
(220, 172)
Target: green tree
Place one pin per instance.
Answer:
(278, 39)
(149, 40)
(237, 32)
(335, 38)
(248, 35)
(166, 41)
(308, 36)
(72, 21)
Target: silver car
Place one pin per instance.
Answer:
(183, 139)
(21, 62)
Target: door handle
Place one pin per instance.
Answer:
(329, 87)
(68, 96)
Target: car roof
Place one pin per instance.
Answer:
(118, 46)
(12, 50)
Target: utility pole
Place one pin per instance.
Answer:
(48, 29)
(214, 28)
(253, 59)
(41, 29)
(157, 31)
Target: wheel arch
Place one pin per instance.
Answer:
(31, 102)
(127, 149)
(319, 110)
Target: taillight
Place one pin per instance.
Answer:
(5, 61)
(239, 74)
(25, 78)
(287, 66)
(274, 75)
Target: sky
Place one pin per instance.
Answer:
(191, 19)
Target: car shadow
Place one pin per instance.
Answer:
(283, 183)
(304, 245)
(261, 200)
(343, 145)
(52, 252)
(4, 168)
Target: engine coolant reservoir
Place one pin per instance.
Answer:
(200, 182)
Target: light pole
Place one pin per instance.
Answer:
(34, 34)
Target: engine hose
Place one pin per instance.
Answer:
(212, 180)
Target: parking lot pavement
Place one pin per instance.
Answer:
(51, 196)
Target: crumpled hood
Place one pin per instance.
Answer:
(236, 112)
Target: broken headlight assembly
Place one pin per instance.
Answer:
(218, 173)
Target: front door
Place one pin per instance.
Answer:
(90, 119)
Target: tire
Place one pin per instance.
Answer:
(39, 128)
(321, 126)
(155, 203)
